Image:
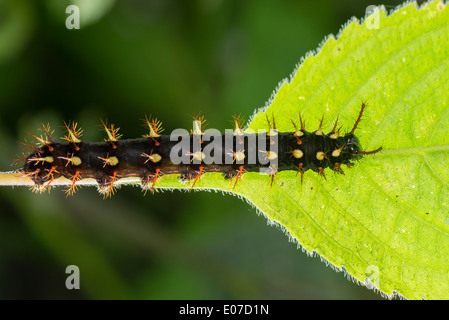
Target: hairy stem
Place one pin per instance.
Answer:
(13, 178)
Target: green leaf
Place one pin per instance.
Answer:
(385, 222)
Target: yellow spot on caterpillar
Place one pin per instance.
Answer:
(198, 155)
(334, 135)
(76, 161)
(48, 159)
(298, 154)
(336, 153)
(111, 161)
(239, 156)
(298, 133)
(156, 158)
(320, 155)
(271, 155)
(152, 157)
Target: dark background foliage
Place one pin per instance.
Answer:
(170, 59)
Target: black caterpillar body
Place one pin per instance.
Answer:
(232, 153)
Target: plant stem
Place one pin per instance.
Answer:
(13, 178)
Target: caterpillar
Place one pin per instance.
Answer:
(189, 154)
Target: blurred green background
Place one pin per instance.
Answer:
(170, 59)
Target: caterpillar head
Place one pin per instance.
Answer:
(351, 146)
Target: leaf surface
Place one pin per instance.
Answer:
(385, 222)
